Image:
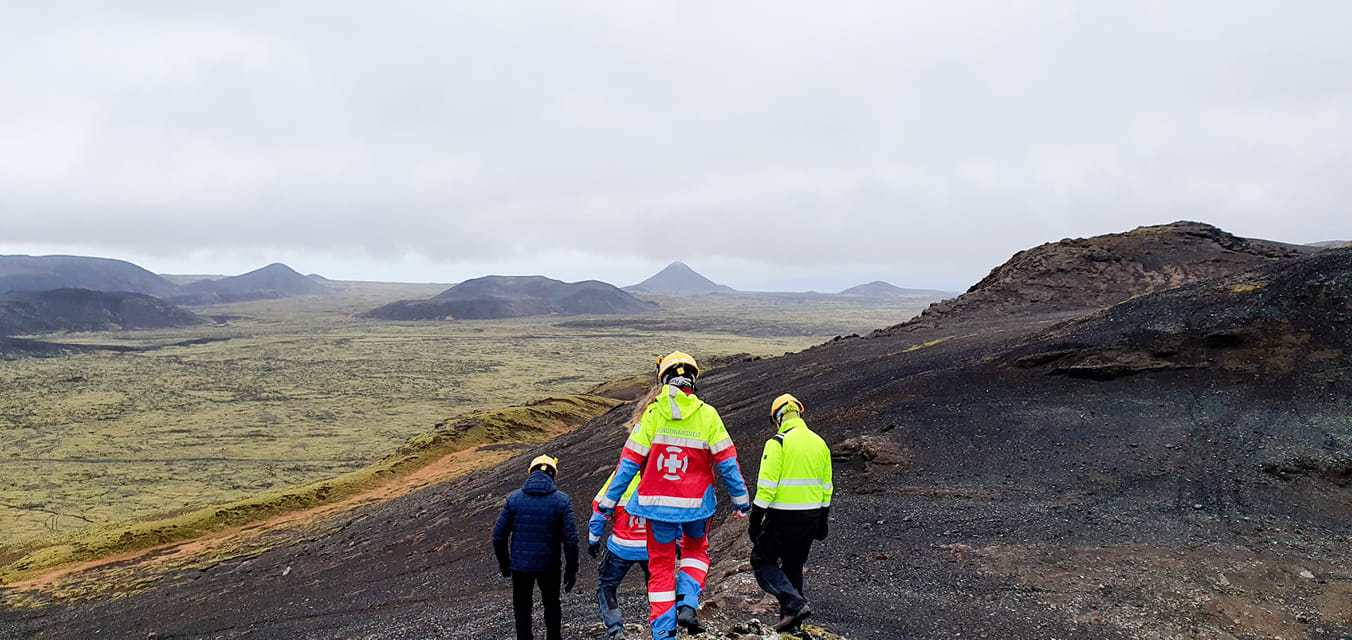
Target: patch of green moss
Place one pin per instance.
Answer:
(534, 422)
(626, 388)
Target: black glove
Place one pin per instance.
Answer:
(593, 549)
(754, 524)
(822, 523)
(569, 565)
(569, 580)
(506, 571)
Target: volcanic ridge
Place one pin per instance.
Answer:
(514, 297)
(28, 312)
(879, 290)
(44, 273)
(1076, 275)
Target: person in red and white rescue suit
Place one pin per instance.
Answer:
(677, 445)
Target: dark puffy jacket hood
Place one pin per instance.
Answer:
(539, 484)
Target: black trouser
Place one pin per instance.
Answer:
(523, 591)
(778, 557)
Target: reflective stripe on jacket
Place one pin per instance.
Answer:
(795, 471)
(629, 537)
(677, 445)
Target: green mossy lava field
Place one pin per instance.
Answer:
(285, 393)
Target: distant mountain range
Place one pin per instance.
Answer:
(514, 297)
(45, 273)
(678, 277)
(43, 294)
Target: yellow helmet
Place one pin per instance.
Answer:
(544, 461)
(781, 403)
(677, 359)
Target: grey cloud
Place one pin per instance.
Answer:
(937, 140)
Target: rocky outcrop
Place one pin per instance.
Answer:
(1268, 322)
(1091, 273)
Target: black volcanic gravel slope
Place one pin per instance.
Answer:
(1020, 501)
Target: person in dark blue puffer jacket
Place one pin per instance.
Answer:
(537, 520)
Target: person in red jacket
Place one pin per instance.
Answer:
(627, 546)
(679, 445)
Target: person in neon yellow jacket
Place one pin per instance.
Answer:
(791, 509)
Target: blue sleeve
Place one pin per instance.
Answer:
(596, 527)
(503, 528)
(623, 475)
(732, 477)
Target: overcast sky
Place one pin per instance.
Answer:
(770, 145)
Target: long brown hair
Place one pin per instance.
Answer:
(642, 406)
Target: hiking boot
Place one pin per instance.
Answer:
(618, 634)
(789, 621)
(685, 617)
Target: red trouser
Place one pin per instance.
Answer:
(663, 585)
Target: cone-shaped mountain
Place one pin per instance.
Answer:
(678, 277)
(273, 281)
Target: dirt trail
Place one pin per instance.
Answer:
(240, 541)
